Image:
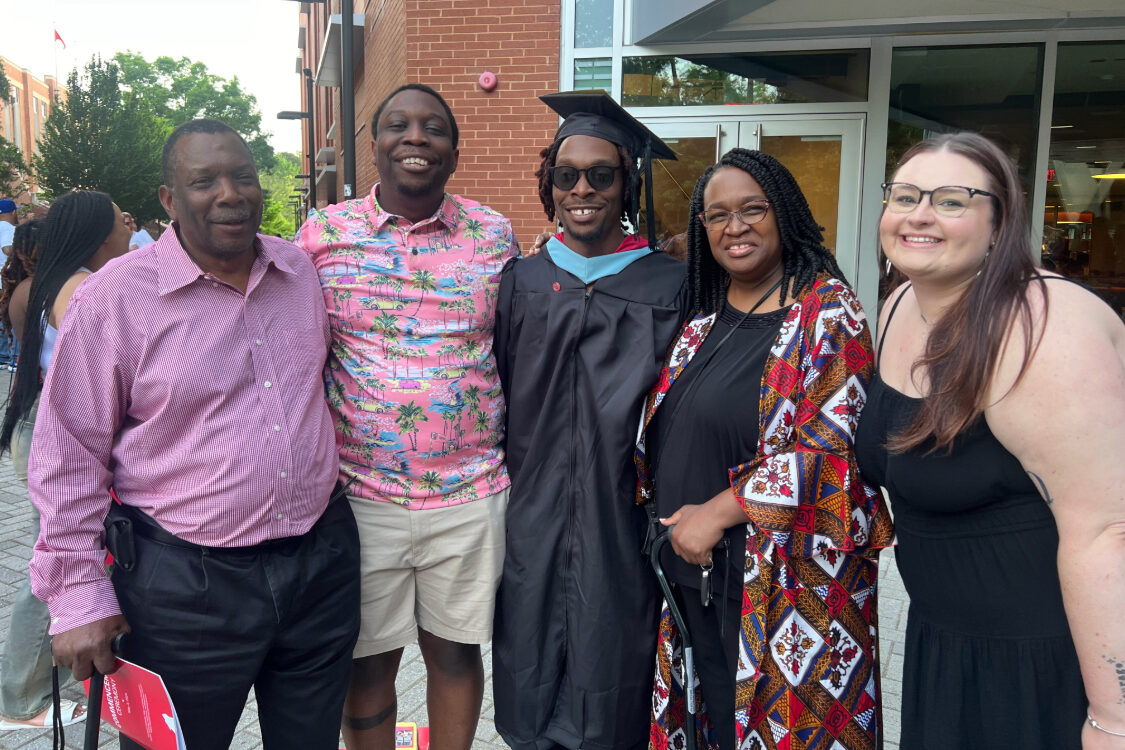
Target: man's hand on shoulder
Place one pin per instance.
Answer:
(87, 647)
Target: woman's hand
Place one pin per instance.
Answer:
(537, 246)
(696, 529)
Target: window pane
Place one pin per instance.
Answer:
(769, 78)
(1084, 217)
(990, 90)
(815, 163)
(593, 23)
(595, 73)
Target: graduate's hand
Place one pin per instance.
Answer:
(89, 647)
(537, 246)
(696, 529)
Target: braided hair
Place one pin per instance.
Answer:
(76, 226)
(630, 202)
(19, 266)
(802, 239)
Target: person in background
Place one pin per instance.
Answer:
(581, 330)
(746, 455)
(82, 232)
(140, 237)
(187, 379)
(995, 423)
(9, 348)
(410, 276)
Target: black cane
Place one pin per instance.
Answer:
(685, 638)
(94, 701)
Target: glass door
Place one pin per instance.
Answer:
(697, 145)
(826, 157)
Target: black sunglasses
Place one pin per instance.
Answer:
(599, 177)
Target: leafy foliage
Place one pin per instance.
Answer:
(277, 186)
(100, 138)
(12, 169)
(5, 85)
(182, 90)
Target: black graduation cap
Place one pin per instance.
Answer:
(595, 113)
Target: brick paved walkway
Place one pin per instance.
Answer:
(15, 549)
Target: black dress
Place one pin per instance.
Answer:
(708, 424)
(989, 658)
(578, 606)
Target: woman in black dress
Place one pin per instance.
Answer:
(996, 424)
(747, 456)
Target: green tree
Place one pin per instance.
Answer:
(99, 138)
(277, 186)
(182, 90)
(5, 85)
(12, 168)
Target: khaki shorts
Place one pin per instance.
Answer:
(433, 569)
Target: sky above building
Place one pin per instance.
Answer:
(255, 40)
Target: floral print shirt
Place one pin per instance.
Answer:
(411, 378)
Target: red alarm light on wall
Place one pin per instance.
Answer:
(487, 80)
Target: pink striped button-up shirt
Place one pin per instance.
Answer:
(199, 405)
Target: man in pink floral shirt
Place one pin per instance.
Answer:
(410, 277)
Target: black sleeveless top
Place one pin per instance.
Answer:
(989, 659)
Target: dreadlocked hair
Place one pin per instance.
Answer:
(76, 226)
(631, 179)
(802, 240)
(19, 266)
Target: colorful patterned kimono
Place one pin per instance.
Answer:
(807, 672)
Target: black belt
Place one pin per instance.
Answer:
(125, 519)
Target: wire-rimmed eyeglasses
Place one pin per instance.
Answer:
(751, 213)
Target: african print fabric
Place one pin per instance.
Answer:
(807, 675)
(411, 378)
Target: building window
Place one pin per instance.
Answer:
(594, 73)
(1084, 216)
(593, 24)
(946, 89)
(765, 78)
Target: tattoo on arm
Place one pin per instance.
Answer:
(363, 723)
(1119, 670)
(1042, 487)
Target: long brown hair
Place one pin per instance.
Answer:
(965, 344)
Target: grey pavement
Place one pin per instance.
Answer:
(15, 550)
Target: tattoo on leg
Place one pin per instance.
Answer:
(363, 723)
(1042, 486)
(1119, 670)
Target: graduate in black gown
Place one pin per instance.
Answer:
(581, 333)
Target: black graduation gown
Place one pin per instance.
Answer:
(578, 606)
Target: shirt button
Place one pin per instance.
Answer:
(277, 428)
(283, 475)
(214, 283)
(280, 516)
(258, 342)
(267, 384)
(414, 250)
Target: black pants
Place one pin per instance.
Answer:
(283, 620)
(716, 656)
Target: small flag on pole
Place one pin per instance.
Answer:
(58, 38)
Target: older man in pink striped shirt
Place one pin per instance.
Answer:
(187, 380)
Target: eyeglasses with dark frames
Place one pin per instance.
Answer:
(751, 213)
(599, 176)
(950, 201)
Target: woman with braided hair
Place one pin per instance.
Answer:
(746, 452)
(15, 281)
(82, 232)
